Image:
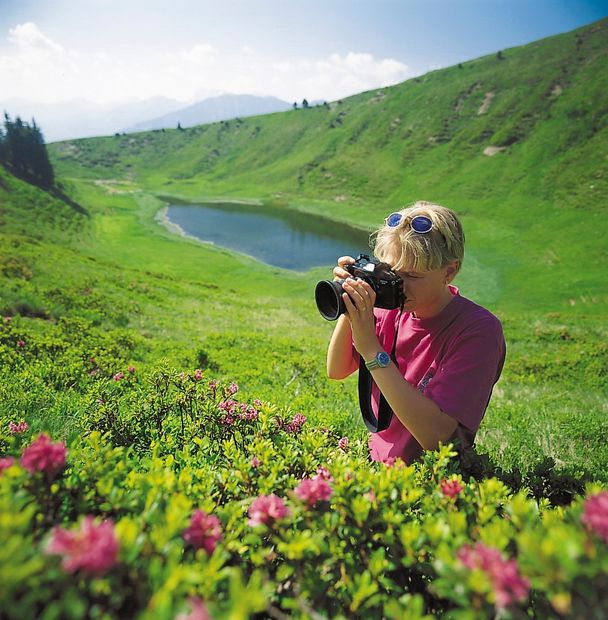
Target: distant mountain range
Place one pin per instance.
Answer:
(214, 109)
(79, 118)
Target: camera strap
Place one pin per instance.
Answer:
(385, 413)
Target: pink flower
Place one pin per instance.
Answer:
(371, 496)
(131, 369)
(198, 374)
(267, 509)
(198, 608)
(255, 462)
(8, 319)
(296, 424)
(44, 455)
(204, 531)
(595, 514)
(257, 402)
(343, 444)
(509, 586)
(119, 376)
(92, 548)
(451, 488)
(20, 343)
(18, 428)
(314, 490)
(323, 472)
(233, 388)
(6, 462)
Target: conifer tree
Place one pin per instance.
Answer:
(23, 152)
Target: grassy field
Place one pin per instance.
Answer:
(534, 214)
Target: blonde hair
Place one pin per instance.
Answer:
(407, 250)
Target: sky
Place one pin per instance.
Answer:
(115, 51)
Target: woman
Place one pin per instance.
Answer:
(449, 351)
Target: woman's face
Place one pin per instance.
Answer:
(427, 292)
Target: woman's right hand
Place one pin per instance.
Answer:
(340, 272)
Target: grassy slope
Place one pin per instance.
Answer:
(522, 211)
(422, 138)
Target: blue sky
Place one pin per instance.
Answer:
(118, 50)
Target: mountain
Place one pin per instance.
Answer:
(213, 109)
(79, 118)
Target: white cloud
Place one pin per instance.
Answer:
(40, 69)
(27, 37)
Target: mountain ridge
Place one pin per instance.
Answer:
(213, 109)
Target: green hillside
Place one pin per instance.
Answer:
(534, 215)
(358, 159)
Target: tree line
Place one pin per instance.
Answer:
(23, 152)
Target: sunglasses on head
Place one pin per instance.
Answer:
(420, 224)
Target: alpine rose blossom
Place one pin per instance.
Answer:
(21, 427)
(509, 586)
(314, 490)
(198, 611)
(595, 514)
(119, 376)
(44, 455)
(296, 424)
(323, 472)
(6, 462)
(233, 388)
(343, 444)
(204, 532)
(198, 374)
(266, 509)
(255, 462)
(451, 488)
(92, 548)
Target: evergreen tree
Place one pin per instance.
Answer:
(23, 152)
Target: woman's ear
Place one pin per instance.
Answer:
(451, 269)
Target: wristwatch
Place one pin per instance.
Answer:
(381, 360)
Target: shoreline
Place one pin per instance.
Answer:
(161, 217)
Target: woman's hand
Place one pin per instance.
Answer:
(359, 298)
(340, 272)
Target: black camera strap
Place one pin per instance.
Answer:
(385, 413)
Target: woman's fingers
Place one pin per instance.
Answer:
(345, 260)
(340, 273)
(361, 294)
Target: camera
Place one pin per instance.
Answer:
(385, 282)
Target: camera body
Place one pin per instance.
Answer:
(387, 285)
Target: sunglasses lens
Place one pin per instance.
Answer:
(421, 224)
(393, 220)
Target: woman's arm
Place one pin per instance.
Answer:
(419, 414)
(342, 359)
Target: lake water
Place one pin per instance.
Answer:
(281, 237)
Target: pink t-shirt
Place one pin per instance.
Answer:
(454, 358)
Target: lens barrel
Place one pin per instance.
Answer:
(328, 295)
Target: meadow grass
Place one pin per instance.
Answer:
(534, 217)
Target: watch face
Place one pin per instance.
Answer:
(383, 358)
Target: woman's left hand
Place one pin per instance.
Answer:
(359, 298)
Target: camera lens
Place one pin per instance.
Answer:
(328, 296)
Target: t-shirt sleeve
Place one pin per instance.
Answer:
(466, 374)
